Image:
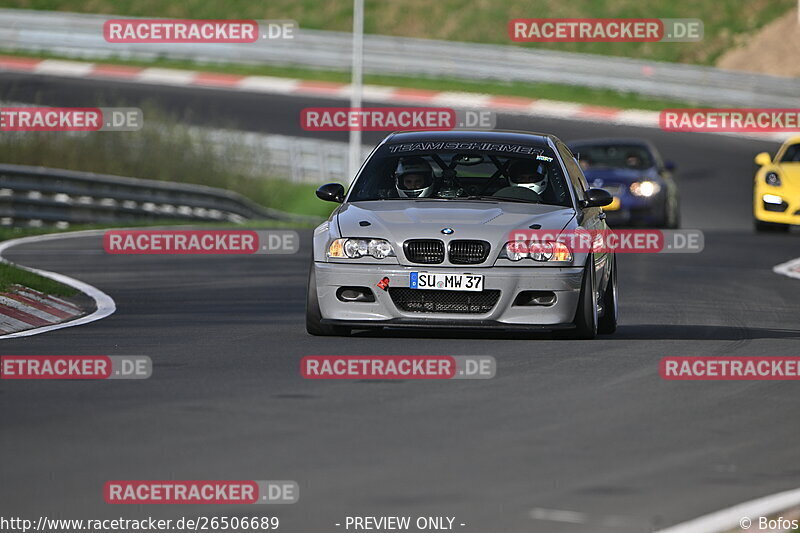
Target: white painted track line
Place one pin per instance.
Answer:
(789, 268)
(728, 519)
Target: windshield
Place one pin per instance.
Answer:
(530, 175)
(630, 156)
(792, 154)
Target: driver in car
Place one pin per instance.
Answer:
(529, 174)
(414, 178)
(527, 180)
(632, 160)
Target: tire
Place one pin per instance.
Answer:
(607, 323)
(672, 215)
(674, 220)
(314, 326)
(762, 227)
(586, 314)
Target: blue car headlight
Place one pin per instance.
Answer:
(645, 188)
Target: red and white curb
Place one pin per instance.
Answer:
(25, 312)
(23, 308)
(789, 268)
(341, 91)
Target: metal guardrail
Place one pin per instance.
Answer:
(38, 196)
(264, 155)
(295, 159)
(80, 35)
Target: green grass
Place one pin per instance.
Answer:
(165, 149)
(548, 91)
(11, 275)
(295, 198)
(727, 22)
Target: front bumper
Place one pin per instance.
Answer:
(510, 281)
(636, 211)
(787, 213)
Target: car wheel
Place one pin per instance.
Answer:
(671, 215)
(608, 322)
(674, 216)
(666, 215)
(586, 314)
(314, 326)
(762, 226)
(676, 219)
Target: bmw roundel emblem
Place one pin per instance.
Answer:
(447, 231)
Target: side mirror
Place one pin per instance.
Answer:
(331, 192)
(763, 159)
(669, 165)
(597, 198)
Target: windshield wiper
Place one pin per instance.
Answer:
(440, 199)
(499, 199)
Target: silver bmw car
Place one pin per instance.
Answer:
(434, 232)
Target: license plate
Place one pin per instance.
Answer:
(614, 205)
(447, 282)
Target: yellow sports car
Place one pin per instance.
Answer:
(776, 191)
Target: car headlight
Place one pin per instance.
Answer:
(355, 248)
(645, 188)
(516, 250)
(772, 178)
(539, 251)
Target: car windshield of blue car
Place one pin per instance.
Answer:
(534, 176)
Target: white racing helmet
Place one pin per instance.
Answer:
(414, 178)
(528, 173)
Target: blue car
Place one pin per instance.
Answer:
(640, 181)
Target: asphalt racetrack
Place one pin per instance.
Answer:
(587, 427)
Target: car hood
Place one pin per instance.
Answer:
(398, 220)
(790, 175)
(598, 177)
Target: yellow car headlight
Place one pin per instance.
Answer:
(772, 178)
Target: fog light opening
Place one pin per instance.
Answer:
(773, 202)
(355, 294)
(535, 299)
